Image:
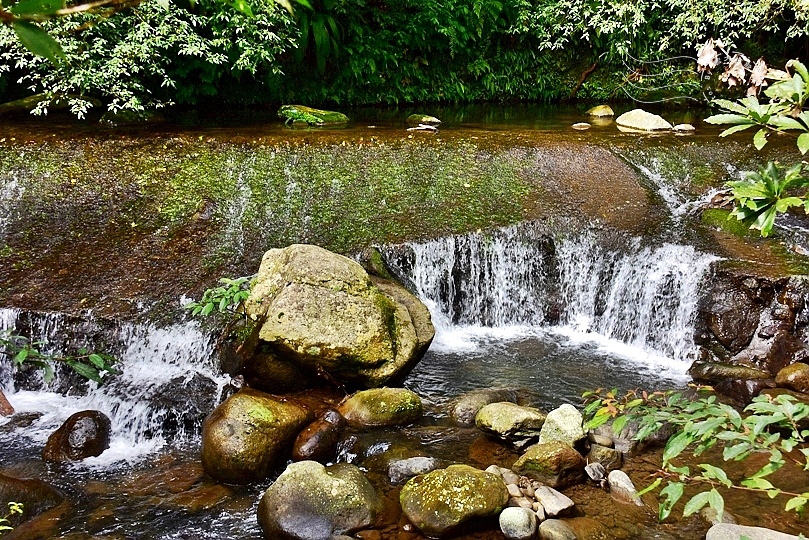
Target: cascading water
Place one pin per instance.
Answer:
(168, 380)
(639, 301)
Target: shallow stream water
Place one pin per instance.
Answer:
(549, 307)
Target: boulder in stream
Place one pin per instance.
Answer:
(43, 506)
(301, 114)
(729, 531)
(312, 502)
(555, 464)
(441, 501)
(244, 437)
(84, 434)
(795, 377)
(640, 120)
(510, 422)
(600, 110)
(381, 407)
(318, 441)
(418, 119)
(565, 424)
(464, 408)
(322, 312)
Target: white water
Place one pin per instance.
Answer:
(636, 302)
(153, 362)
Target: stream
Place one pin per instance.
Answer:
(550, 304)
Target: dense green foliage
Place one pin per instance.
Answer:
(771, 425)
(391, 51)
(228, 298)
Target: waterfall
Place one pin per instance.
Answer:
(522, 278)
(168, 381)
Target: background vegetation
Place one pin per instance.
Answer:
(392, 51)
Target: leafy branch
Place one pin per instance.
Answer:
(769, 424)
(229, 298)
(90, 365)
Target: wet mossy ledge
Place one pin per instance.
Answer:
(111, 224)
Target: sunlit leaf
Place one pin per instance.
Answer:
(38, 41)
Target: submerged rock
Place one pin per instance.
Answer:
(556, 529)
(400, 470)
(318, 441)
(510, 422)
(581, 126)
(85, 434)
(322, 312)
(609, 458)
(309, 116)
(794, 377)
(638, 119)
(417, 119)
(311, 502)
(555, 464)
(43, 507)
(244, 437)
(553, 502)
(622, 489)
(600, 110)
(440, 501)
(464, 408)
(381, 407)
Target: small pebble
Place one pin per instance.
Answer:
(509, 477)
(528, 491)
(581, 125)
(514, 490)
(539, 510)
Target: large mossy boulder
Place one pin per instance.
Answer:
(244, 437)
(312, 502)
(440, 501)
(381, 407)
(323, 313)
(313, 117)
(564, 424)
(555, 464)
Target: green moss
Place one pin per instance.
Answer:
(722, 220)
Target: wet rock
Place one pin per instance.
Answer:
(311, 502)
(556, 529)
(300, 114)
(622, 489)
(518, 523)
(595, 472)
(742, 391)
(371, 259)
(417, 119)
(555, 464)
(563, 424)
(36, 497)
(269, 372)
(581, 126)
(794, 377)
(5, 407)
(381, 407)
(318, 441)
(244, 437)
(684, 128)
(553, 502)
(401, 470)
(732, 317)
(638, 119)
(322, 312)
(710, 516)
(85, 434)
(727, 531)
(440, 501)
(187, 409)
(601, 440)
(609, 458)
(513, 423)
(600, 110)
(717, 371)
(464, 409)
(625, 441)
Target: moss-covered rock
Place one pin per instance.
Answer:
(322, 312)
(464, 408)
(555, 464)
(564, 424)
(440, 501)
(381, 407)
(312, 117)
(511, 422)
(311, 502)
(244, 437)
(795, 377)
(600, 110)
(426, 119)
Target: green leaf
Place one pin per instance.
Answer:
(672, 493)
(736, 452)
(796, 503)
(803, 142)
(729, 119)
(757, 483)
(760, 139)
(675, 446)
(736, 129)
(242, 7)
(96, 360)
(650, 487)
(207, 310)
(38, 41)
(20, 357)
(785, 122)
(619, 424)
(696, 503)
(715, 473)
(716, 502)
(37, 7)
(47, 373)
(84, 370)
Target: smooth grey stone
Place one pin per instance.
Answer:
(518, 523)
(728, 531)
(552, 501)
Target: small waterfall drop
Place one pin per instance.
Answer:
(640, 300)
(168, 380)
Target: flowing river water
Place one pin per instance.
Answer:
(553, 305)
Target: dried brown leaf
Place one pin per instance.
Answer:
(707, 57)
(734, 74)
